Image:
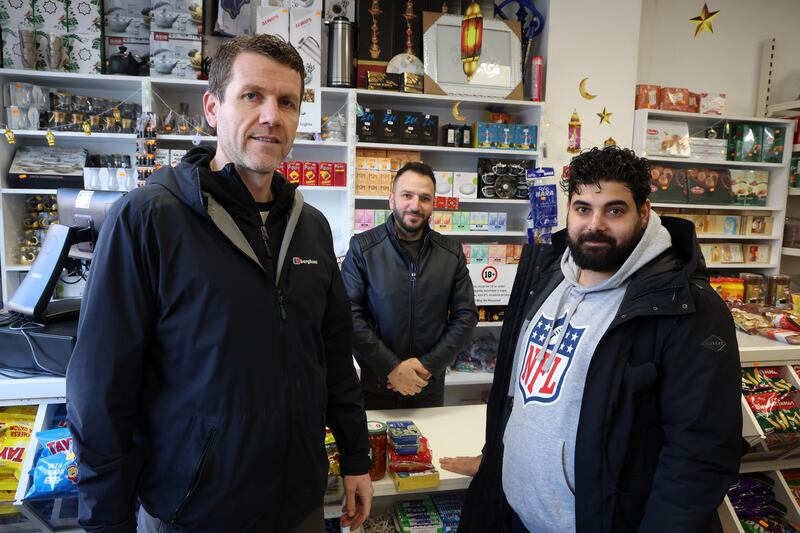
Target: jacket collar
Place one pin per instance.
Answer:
(392, 231)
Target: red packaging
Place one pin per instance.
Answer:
(294, 171)
(340, 174)
(536, 78)
(282, 168)
(674, 99)
(648, 96)
(440, 202)
(310, 173)
(694, 103)
(796, 129)
(452, 203)
(419, 462)
(326, 174)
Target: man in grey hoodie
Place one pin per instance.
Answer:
(620, 405)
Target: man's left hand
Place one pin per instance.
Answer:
(358, 500)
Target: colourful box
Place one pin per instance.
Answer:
(757, 253)
(479, 221)
(525, 137)
(294, 171)
(484, 134)
(325, 175)
(479, 254)
(773, 140)
(504, 135)
(310, 174)
(340, 174)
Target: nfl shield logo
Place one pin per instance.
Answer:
(542, 375)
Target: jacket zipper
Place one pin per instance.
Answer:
(265, 238)
(413, 298)
(198, 472)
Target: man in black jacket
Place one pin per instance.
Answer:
(616, 400)
(215, 339)
(412, 301)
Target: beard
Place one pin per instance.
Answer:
(399, 219)
(605, 258)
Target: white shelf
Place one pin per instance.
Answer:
(793, 252)
(185, 138)
(757, 349)
(32, 390)
(451, 431)
(717, 162)
(397, 96)
(456, 377)
(658, 113)
(450, 149)
(740, 266)
(481, 201)
(18, 268)
(472, 233)
(725, 207)
(784, 108)
(70, 79)
(9, 190)
(722, 236)
(794, 191)
(76, 135)
(498, 324)
(795, 148)
(320, 144)
(318, 188)
(178, 84)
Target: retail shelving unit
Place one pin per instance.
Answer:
(778, 181)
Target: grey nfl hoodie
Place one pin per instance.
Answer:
(539, 457)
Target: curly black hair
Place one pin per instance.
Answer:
(609, 164)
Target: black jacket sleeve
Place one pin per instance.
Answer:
(463, 317)
(701, 420)
(369, 348)
(345, 416)
(104, 377)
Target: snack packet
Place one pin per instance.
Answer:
(764, 379)
(56, 471)
(775, 412)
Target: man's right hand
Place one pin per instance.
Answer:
(405, 378)
(467, 466)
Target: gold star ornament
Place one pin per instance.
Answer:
(605, 116)
(703, 22)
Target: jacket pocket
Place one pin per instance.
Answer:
(196, 477)
(632, 495)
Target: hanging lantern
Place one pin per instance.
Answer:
(574, 132)
(471, 38)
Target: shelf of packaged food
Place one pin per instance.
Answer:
(382, 96)
(482, 234)
(794, 191)
(784, 108)
(658, 113)
(72, 80)
(783, 495)
(479, 201)
(18, 268)
(451, 431)
(184, 138)
(795, 148)
(77, 135)
(755, 350)
(177, 83)
(716, 162)
(723, 236)
(498, 324)
(457, 377)
(723, 207)
(793, 252)
(535, 154)
(9, 190)
(742, 266)
(32, 390)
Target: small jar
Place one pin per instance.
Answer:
(753, 288)
(377, 449)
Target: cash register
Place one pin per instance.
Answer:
(40, 331)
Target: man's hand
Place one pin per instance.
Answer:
(407, 377)
(467, 466)
(358, 500)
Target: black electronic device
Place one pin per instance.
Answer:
(81, 214)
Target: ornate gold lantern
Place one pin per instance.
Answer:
(471, 38)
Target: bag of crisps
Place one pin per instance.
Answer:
(56, 471)
(15, 435)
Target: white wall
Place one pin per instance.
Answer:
(598, 40)
(729, 60)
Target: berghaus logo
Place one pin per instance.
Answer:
(299, 261)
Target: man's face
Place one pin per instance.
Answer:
(604, 226)
(411, 202)
(257, 121)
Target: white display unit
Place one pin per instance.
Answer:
(778, 181)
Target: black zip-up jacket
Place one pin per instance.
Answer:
(659, 437)
(404, 308)
(200, 383)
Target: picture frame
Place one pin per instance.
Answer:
(499, 69)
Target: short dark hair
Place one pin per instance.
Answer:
(415, 166)
(269, 46)
(611, 163)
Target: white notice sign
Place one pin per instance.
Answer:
(492, 283)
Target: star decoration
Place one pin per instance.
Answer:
(16, 4)
(49, 7)
(704, 20)
(84, 54)
(84, 8)
(605, 116)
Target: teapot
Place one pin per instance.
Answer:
(117, 22)
(162, 17)
(163, 65)
(124, 62)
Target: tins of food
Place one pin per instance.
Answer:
(753, 288)
(778, 294)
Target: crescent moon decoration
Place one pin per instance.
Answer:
(456, 114)
(583, 91)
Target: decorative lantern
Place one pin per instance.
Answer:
(574, 133)
(471, 38)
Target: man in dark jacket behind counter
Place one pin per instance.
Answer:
(616, 401)
(214, 342)
(413, 307)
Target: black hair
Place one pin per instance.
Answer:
(415, 166)
(611, 163)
